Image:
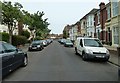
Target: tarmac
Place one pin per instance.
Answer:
(114, 59)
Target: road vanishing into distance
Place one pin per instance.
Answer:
(58, 63)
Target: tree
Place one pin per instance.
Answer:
(11, 14)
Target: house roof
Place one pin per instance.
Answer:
(93, 11)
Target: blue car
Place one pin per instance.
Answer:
(11, 58)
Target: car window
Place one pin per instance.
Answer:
(9, 47)
(68, 41)
(81, 43)
(1, 49)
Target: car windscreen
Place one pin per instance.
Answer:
(36, 43)
(92, 43)
(68, 41)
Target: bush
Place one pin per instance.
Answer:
(19, 40)
(16, 39)
(25, 33)
(4, 37)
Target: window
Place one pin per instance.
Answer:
(9, 48)
(4, 31)
(116, 35)
(108, 12)
(98, 14)
(115, 8)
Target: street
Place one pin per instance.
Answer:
(58, 63)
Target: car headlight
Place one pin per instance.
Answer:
(89, 51)
(38, 46)
(107, 52)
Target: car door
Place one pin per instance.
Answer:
(7, 60)
(13, 54)
(80, 46)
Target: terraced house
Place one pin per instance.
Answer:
(114, 22)
(102, 23)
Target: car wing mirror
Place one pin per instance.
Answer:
(18, 50)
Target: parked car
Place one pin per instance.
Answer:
(68, 43)
(62, 41)
(36, 45)
(45, 43)
(91, 48)
(11, 58)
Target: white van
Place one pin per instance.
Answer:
(91, 48)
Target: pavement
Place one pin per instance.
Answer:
(114, 59)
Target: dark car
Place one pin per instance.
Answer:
(36, 45)
(11, 58)
(62, 41)
(44, 42)
(68, 43)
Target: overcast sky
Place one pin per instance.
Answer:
(60, 12)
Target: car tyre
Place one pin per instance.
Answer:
(25, 62)
(84, 57)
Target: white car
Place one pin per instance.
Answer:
(91, 48)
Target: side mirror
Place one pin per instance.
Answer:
(18, 50)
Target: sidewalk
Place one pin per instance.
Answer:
(25, 47)
(113, 54)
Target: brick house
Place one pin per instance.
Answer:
(103, 18)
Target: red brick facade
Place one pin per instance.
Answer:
(103, 18)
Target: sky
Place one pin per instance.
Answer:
(60, 12)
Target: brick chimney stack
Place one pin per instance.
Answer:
(102, 5)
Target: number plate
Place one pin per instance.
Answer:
(34, 48)
(100, 56)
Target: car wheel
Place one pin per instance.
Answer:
(76, 51)
(25, 61)
(84, 57)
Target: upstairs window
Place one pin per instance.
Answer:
(115, 8)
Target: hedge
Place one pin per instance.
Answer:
(19, 40)
(4, 37)
(16, 39)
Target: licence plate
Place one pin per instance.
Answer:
(34, 48)
(100, 56)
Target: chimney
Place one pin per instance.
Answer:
(102, 5)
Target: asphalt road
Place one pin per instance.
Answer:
(58, 63)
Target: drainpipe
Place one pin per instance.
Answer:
(118, 49)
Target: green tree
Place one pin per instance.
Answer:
(11, 14)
